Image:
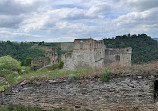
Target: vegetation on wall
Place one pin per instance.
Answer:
(144, 48)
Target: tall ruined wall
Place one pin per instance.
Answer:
(121, 56)
(89, 94)
(52, 54)
(86, 53)
(86, 44)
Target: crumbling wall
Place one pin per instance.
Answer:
(121, 56)
(86, 53)
(39, 62)
(67, 46)
(52, 54)
(86, 94)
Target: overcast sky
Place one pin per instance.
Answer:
(65, 20)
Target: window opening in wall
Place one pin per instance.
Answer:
(156, 90)
(117, 57)
(81, 44)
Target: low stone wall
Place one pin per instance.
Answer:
(85, 94)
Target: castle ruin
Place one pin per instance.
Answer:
(93, 53)
(51, 57)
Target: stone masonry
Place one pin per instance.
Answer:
(93, 53)
(119, 92)
(52, 54)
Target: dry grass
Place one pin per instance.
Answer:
(136, 69)
(115, 69)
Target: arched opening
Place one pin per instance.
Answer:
(156, 90)
(117, 58)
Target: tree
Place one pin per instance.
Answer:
(28, 61)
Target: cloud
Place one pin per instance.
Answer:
(142, 5)
(17, 7)
(69, 19)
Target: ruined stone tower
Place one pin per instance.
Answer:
(52, 54)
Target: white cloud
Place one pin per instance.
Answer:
(78, 18)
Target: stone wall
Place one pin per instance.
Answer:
(52, 54)
(85, 94)
(93, 53)
(86, 53)
(84, 58)
(39, 62)
(66, 46)
(121, 56)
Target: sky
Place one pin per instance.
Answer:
(66, 20)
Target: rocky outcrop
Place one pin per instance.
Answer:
(119, 92)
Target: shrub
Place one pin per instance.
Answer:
(27, 61)
(61, 64)
(36, 65)
(26, 69)
(9, 65)
(55, 66)
(71, 78)
(3, 88)
(105, 76)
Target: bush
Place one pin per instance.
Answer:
(3, 88)
(105, 76)
(61, 64)
(9, 65)
(54, 66)
(28, 61)
(26, 69)
(71, 78)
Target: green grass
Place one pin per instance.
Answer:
(44, 73)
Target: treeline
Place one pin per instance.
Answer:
(20, 51)
(23, 50)
(144, 48)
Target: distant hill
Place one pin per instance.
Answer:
(23, 50)
(144, 48)
(155, 39)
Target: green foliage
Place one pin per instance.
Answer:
(26, 69)
(105, 76)
(28, 61)
(22, 50)
(61, 64)
(36, 65)
(55, 66)
(71, 78)
(9, 65)
(3, 88)
(144, 48)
